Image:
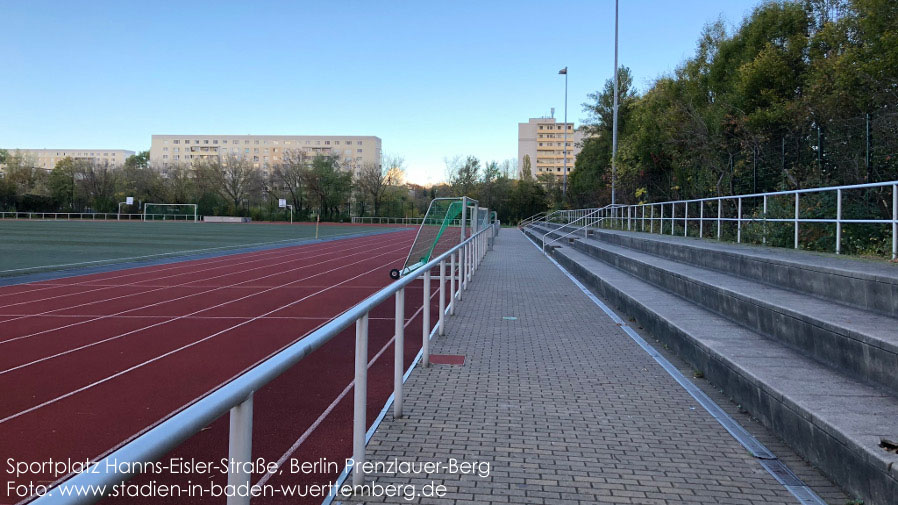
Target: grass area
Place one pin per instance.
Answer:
(33, 246)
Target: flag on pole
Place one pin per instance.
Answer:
(563, 71)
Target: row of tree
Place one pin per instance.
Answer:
(228, 186)
(803, 94)
(233, 186)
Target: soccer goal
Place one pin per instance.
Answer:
(169, 212)
(443, 214)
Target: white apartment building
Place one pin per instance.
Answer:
(543, 140)
(47, 158)
(264, 151)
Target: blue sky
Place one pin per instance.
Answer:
(432, 79)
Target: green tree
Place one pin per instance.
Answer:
(587, 181)
(62, 183)
(526, 168)
(139, 160)
(329, 186)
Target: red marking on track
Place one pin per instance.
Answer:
(447, 359)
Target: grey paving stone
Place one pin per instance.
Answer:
(563, 405)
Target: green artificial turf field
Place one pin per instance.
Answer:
(36, 246)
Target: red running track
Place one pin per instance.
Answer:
(89, 362)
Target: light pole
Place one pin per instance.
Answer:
(564, 175)
(614, 123)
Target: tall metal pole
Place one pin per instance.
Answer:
(614, 127)
(564, 184)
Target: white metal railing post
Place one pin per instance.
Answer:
(838, 221)
(661, 222)
(452, 283)
(685, 219)
(796, 220)
(360, 399)
(719, 214)
(739, 221)
(652, 219)
(398, 352)
(240, 450)
(425, 323)
(894, 221)
(470, 263)
(642, 225)
(462, 259)
(701, 219)
(764, 239)
(442, 315)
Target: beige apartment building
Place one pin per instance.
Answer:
(264, 151)
(543, 140)
(47, 158)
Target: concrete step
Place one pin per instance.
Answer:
(835, 421)
(866, 284)
(859, 343)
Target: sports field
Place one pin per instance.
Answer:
(33, 246)
(88, 362)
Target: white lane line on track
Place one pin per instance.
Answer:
(173, 253)
(311, 429)
(21, 337)
(142, 271)
(254, 259)
(161, 323)
(218, 265)
(170, 316)
(173, 351)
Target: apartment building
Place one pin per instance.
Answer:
(47, 158)
(264, 151)
(543, 140)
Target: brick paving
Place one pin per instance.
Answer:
(563, 406)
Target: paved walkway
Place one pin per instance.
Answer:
(562, 405)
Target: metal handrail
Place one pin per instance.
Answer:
(531, 219)
(84, 216)
(236, 396)
(90, 216)
(588, 214)
(634, 216)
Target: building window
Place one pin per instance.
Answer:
(175, 141)
(359, 142)
(358, 150)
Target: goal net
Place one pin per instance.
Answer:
(169, 212)
(442, 214)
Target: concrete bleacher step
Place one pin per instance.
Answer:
(834, 413)
(866, 284)
(859, 343)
